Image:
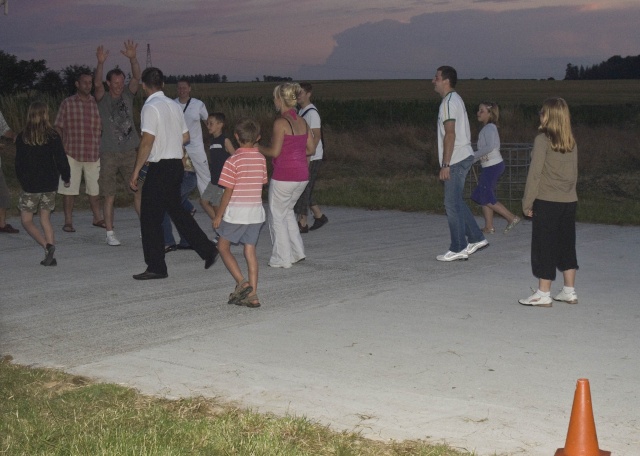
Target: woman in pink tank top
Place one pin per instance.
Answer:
(291, 144)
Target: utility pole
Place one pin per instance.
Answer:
(148, 55)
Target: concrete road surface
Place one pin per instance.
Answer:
(369, 334)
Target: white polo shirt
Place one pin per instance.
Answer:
(162, 117)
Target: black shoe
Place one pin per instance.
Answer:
(209, 261)
(170, 248)
(53, 263)
(147, 275)
(303, 228)
(49, 250)
(319, 222)
(183, 247)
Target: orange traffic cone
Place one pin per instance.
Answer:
(581, 437)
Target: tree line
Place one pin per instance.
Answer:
(34, 75)
(615, 67)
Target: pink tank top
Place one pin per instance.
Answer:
(291, 164)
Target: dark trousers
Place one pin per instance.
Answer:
(160, 194)
(553, 238)
(306, 199)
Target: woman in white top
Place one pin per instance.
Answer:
(492, 168)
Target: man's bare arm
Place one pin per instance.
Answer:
(98, 84)
(130, 51)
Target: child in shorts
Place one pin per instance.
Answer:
(220, 148)
(40, 162)
(241, 214)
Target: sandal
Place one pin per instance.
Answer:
(249, 301)
(240, 292)
(100, 224)
(68, 228)
(512, 225)
(489, 230)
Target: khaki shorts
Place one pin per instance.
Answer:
(112, 164)
(34, 202)
(91, 172)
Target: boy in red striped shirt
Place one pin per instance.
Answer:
(241, 213)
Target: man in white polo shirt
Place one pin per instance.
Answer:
(164, 131)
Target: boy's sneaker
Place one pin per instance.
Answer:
(475, 246)
(112, 239)
(49, 250)
(453, 256)
(536, 299)
(569, 298)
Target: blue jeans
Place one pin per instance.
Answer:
(189, 182)
(462, 225)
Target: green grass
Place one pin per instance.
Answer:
(46, 412)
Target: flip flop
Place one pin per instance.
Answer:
(240, 292)
(100, 224)
(68, 228)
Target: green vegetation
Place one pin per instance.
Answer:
(45, 412)
(381, 142)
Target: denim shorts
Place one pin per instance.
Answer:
(240, 234)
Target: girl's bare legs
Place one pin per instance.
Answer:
(487, 212)
(544, 285)
(569, 281)
(47, 228)
(569, 278)
(500, 210)
(27, 222)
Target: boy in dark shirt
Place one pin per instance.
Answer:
(220, 148)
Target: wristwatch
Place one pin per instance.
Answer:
(445, 165)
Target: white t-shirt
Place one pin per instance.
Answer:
(195, 112)
(452, 108)
(310, 114)
(163, 118)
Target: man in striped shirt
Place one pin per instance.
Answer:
(241, 213)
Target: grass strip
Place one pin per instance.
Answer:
(47, 412)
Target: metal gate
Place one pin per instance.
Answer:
(517, 157)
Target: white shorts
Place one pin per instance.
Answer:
(91, 172)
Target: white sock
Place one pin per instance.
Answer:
(109, 233)
(544, 293)
(568, 290)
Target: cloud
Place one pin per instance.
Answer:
(531, 43)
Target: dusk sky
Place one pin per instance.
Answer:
(328, 39)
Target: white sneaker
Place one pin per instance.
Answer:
(536, 299)
(453, 256)
(569, 298)
(475, 246)
(112, 239)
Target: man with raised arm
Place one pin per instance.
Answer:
(120, 138)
